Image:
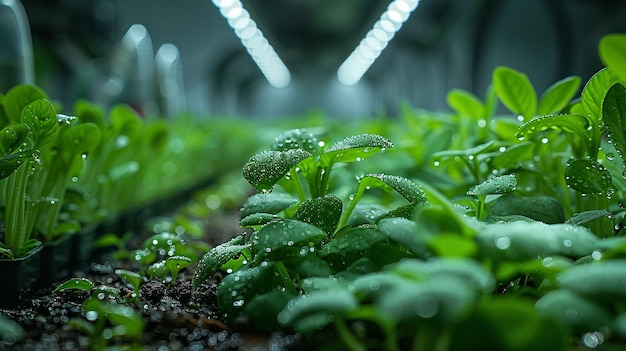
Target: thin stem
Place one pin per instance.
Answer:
(349, 340)
(295, 177)
(287, 281)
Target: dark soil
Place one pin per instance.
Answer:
(177, 317)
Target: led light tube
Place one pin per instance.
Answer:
(257, 46)
(375, 41)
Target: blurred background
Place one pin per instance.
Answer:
(444, 44)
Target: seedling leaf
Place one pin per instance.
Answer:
(265, 169)
(216, 258)
(612, 48)
(323, 212)
(594, 93)
(256, 219)
(588, 216)
(515, 91)
(12, 137)
(466, 103)
(602, 280)
(356, 239)
(354, 148)
(573, 310)
(285, 238)
(297, 139)
(558, 95)
(587, 176)
(570, 123)
(497, 185)
(614, 117)
(18, 97)
(267, 203)
(83, 284)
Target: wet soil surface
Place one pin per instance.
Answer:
(176, 317)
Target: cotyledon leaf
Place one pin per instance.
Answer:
(587, 176)
(412, 192)
(602, 280)
(216, 258)
(285, 238)
(558, 95)
(611, 49)
(12, 137)
(297, 139)
(267, 203)
(614, 117)
(323, 212)
(265, 169)
(496, 185)
(570, 123)
(257, 219)
(354, 148)
(516, 91)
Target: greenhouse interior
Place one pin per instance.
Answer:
(434, 175)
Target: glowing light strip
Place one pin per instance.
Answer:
(262, 53)
(376, 40)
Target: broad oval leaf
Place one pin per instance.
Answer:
(241, 286)
(323, 212)
(466, 103)
(297, 139)
(520, 241)
(612, 49)
(215, 258)
(257, 219)
(587, 176)
(285, 238)
(405, 232)
(570, 123)
(412, 192)
(614, 117)
(41, 118)
(10, 163)
(579, 313)
(496, 185)
(357, 239)
(594, 93)
(539, 208)
(311, 312)
(601, 280)
(267, 203)
(265, 169)
(124, 120)
(18, 97)
(354, 148)
(558, 95)
(77, 140)
(515, 91)
(12, 137)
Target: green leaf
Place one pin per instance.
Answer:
(10, 163)
(471, 152)
(466, 103)
(520, 241)
(82, 284)
(263, 310)
(539, 207)
(257, 219)
(41, 118)
(515, 91)
(241, 286)
(614, 117)
(17, 98)
(513, 155)
(594, 93)
(265, 169)
(558, 95)
(412, 192)
(354, 148)
(579, 313)
(311, 312)
(323, 212)
(133, 278)
(508, 323)
(602, 281)
(267, 203)
(297, 139)
(612, 49)
(357, 239)
(581, 218)
(587, 176)
(12, 137)
(570, 123)
(496, 185)
(124, 120)
(405, 232)
(211, 261)
(452, 245)
(285, 238)
(77, 140)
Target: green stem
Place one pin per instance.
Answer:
(287, 281)
(16, 234)
(295, 177)
(348, 339)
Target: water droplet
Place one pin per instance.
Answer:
(503, 242)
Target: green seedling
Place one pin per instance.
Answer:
(131, 278)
